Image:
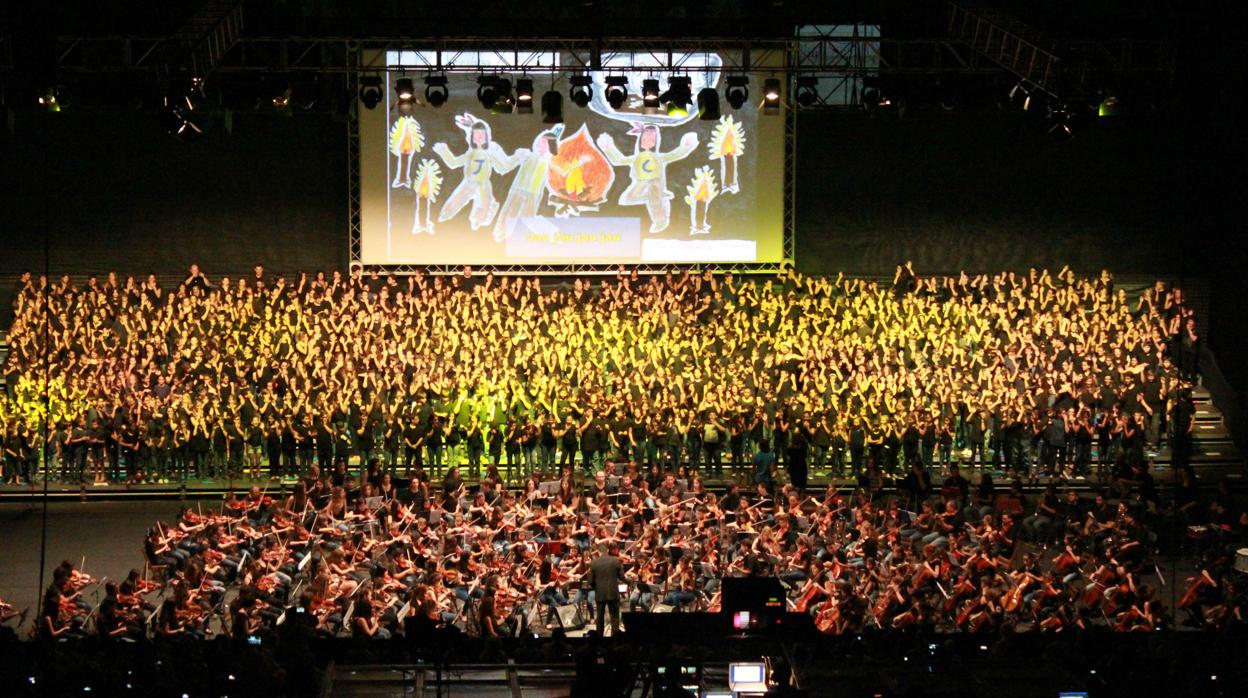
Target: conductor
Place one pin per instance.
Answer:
(605, 571)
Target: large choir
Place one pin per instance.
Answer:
(1032, 372)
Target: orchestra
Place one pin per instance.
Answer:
(500, 562)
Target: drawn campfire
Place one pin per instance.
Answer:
(428, 183)
(726, 145)
(701, 191)
(580, 175)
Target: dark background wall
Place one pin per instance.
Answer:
(109, 191)
(988, 191)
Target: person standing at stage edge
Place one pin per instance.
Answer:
(605, 574)
(795, 458)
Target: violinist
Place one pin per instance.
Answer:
(487, 613)
(257, 505)
(115, 619)
(680, 586)
(364, 623)
(551, 592)
(56, 616)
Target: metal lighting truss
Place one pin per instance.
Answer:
(1055, 68)
(821, 54)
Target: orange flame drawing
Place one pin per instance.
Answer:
(702, 187)
(581, 175)
(703, 193)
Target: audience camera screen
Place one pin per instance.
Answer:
(636, 175)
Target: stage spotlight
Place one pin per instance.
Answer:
(869, 98)
(650, 95)
(552, 108)
(678, 95)
(708, 104)
(807, 92)
(582, 90)
(281, 101)
(503, 99)
(1108, 105)
(1020, 93)
(771, 96)
(617, 91)
(486, 93)
(435, 90)
(738, 91)
(524, 96)
(1060, 125)
(49, 101)
(370, 91)
(404, 90)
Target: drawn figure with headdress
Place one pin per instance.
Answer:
(479, 162)
(648, 170)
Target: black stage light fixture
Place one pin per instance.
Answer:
(807, 90)
(486, 93)
(279, 92)
(582, 90)
(870, 98)
(504, 100)
(176, 120)
(1061, 126)
(435, 90)
(1109, 105)
(771, 96)
(678, 95)
(524, 96)
(49, 100)
(552, 108)
(738, 91)
(305, 90)
(650, 94)
(1020, 95)
(708, 104)
(617, 91)
(404, 89)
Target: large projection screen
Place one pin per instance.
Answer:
(459, 184)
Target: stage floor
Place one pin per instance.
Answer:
(108, 534)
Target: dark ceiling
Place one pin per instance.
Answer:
(1063, 18)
